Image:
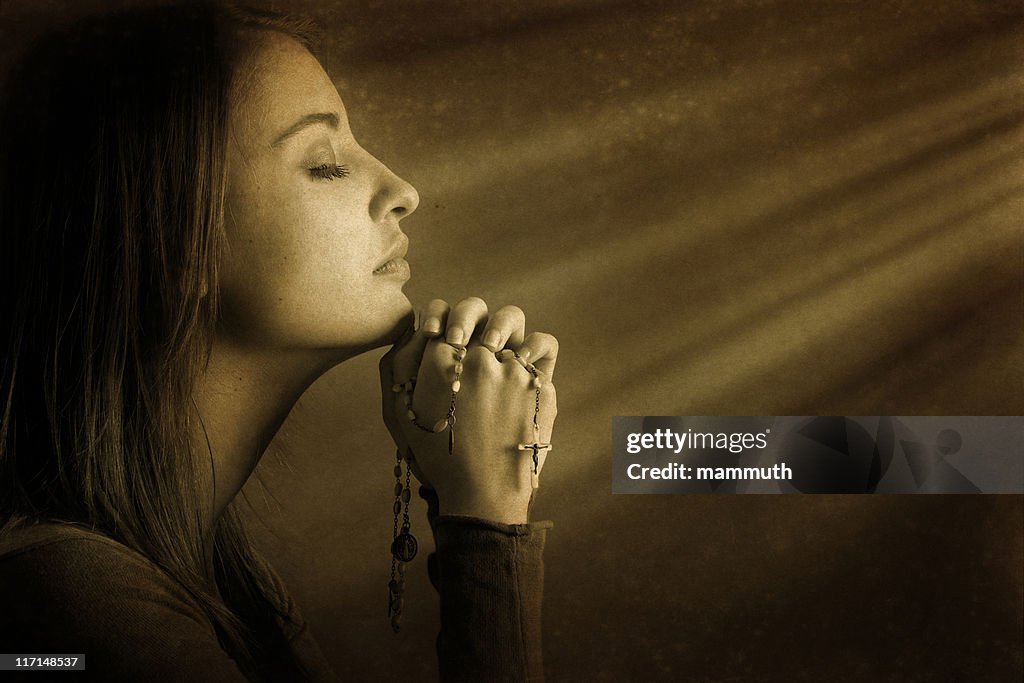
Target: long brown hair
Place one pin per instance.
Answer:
(112, 179)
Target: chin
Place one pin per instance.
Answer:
(392, 327)
(379, 323)
(404, 322)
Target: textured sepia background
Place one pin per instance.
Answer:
(747, 207)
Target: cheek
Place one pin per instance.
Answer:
(294, 268)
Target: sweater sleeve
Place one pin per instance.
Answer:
(490, 579)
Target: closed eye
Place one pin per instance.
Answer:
(329, 171)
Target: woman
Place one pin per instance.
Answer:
(191, 236)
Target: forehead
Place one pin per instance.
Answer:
(280, 84)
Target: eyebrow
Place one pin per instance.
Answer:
(324, 118)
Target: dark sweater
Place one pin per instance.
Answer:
(65, 589)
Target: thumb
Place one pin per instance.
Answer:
(407, 359)
(387, 361)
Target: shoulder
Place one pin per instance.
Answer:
(71, 589)
(61, 566)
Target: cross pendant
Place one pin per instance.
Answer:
(536, 447)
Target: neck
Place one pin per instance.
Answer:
(242, 399)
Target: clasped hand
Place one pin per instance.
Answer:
(487, 475)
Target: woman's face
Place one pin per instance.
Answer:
(310, 215)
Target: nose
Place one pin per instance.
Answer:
(393, 196)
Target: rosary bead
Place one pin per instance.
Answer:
(404, 546)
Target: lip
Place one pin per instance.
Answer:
(398, 267)
(397, 251)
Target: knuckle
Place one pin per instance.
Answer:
(434, 354)
(475, 360)
(509, 373)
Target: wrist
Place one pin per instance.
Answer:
(506, 511)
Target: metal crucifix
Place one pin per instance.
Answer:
(536, 447)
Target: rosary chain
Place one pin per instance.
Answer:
(397, 584)
(406, 550)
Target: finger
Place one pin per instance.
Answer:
(409, 357)
(434, 316)
(387, 361)
(507, 326)
(401, 406)
(387, 401)
(428, 399)
(464, 319)
(416, 472)
(541, 349)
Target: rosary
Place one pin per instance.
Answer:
(403, 545)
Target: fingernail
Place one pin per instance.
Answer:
(491, 340)
(455, 336)
(432, 326)
(524, 354)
